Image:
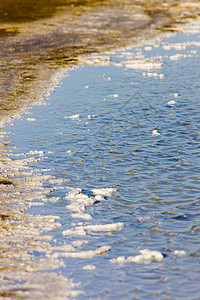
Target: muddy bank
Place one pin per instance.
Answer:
(37, 40)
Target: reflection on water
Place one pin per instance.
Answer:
(86, 188)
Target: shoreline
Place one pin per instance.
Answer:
(32, 54)
(25, 182)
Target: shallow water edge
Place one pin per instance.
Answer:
(30, 259)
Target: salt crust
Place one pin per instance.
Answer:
(82, 216)
(179, 252)
(146, 256)
(35, 152)
(31, 119)
(89, 267)
(73, 117)
(22, 235)
(171, 102)
(144, 64)
(80, 201)
(82, 230)
(155, 133)
(83, 254)
(104, 191)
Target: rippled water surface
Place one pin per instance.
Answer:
(128, 122)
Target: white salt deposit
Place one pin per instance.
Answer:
(73, 117)
(179, 252)
(105, 227)
(171, 102)
(31, 119)
(81, 216)
(75, 231)
(155, 133)
(149, 74)
(89, 267)
(95, 60)
(99, 197)
(148, 48)
(176, 57)
(144, 64)
(103, 191)
(146, 256)
(76, 207)
(91, 116)
(35, 152)
(84, 254)
(82, 230)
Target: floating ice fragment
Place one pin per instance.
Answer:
(171, 102)
(89, 267)
(30, 119)
(179, 252)
(146, 256)
(155, 133)
(103, 191)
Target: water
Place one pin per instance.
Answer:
(134, 129)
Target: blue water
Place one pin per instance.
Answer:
(156, 177)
